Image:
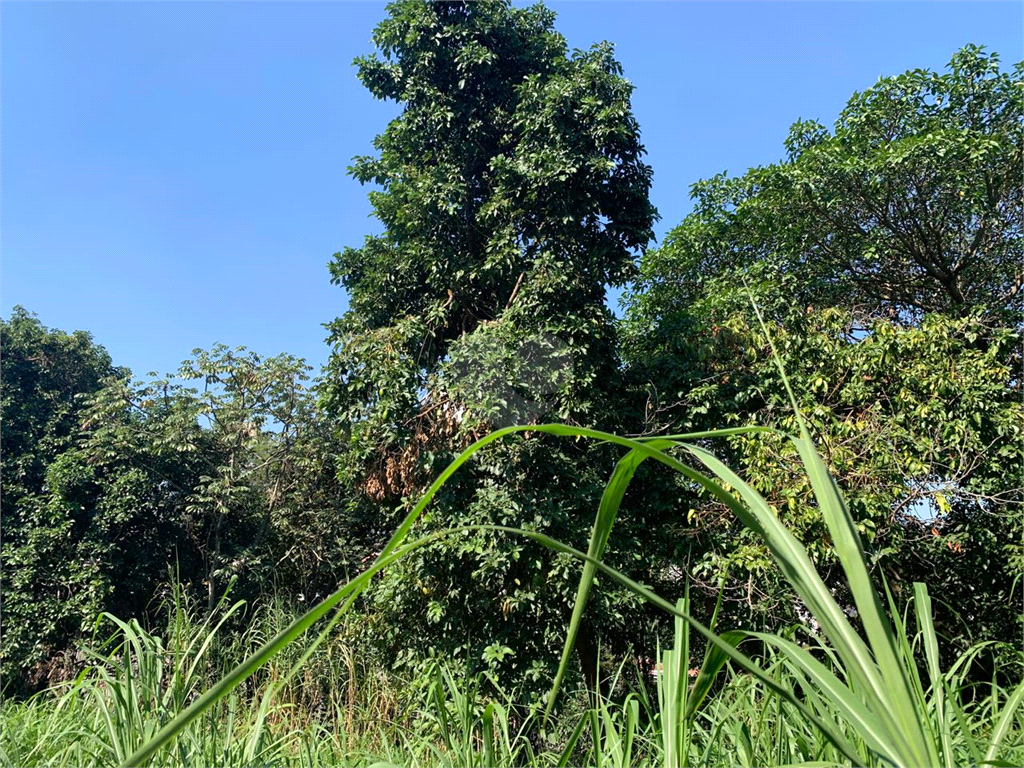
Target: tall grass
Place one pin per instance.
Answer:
(364, 716)
(339, 711)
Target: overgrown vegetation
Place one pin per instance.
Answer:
(877, 626)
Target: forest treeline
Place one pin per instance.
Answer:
(884, 254)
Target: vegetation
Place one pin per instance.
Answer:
(862, 701)
(519, 584)
(482, 305)
(886, 253)
(51, 539)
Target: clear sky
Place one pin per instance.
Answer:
(174, 174)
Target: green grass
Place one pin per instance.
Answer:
(344, 712)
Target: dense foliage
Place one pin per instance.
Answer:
(512, 193)
(911, 204)
(883, 256)
(49, 581)
(129, 484)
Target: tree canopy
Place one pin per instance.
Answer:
(512, 192)
(885, 259)
(910, 204)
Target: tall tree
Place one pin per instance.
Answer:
(109, 485)
(912, 203)
(242, 429)
(47, 582)
(44, 372)
(512, 193)
(885, 256)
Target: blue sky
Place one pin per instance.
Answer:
(173, 175)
